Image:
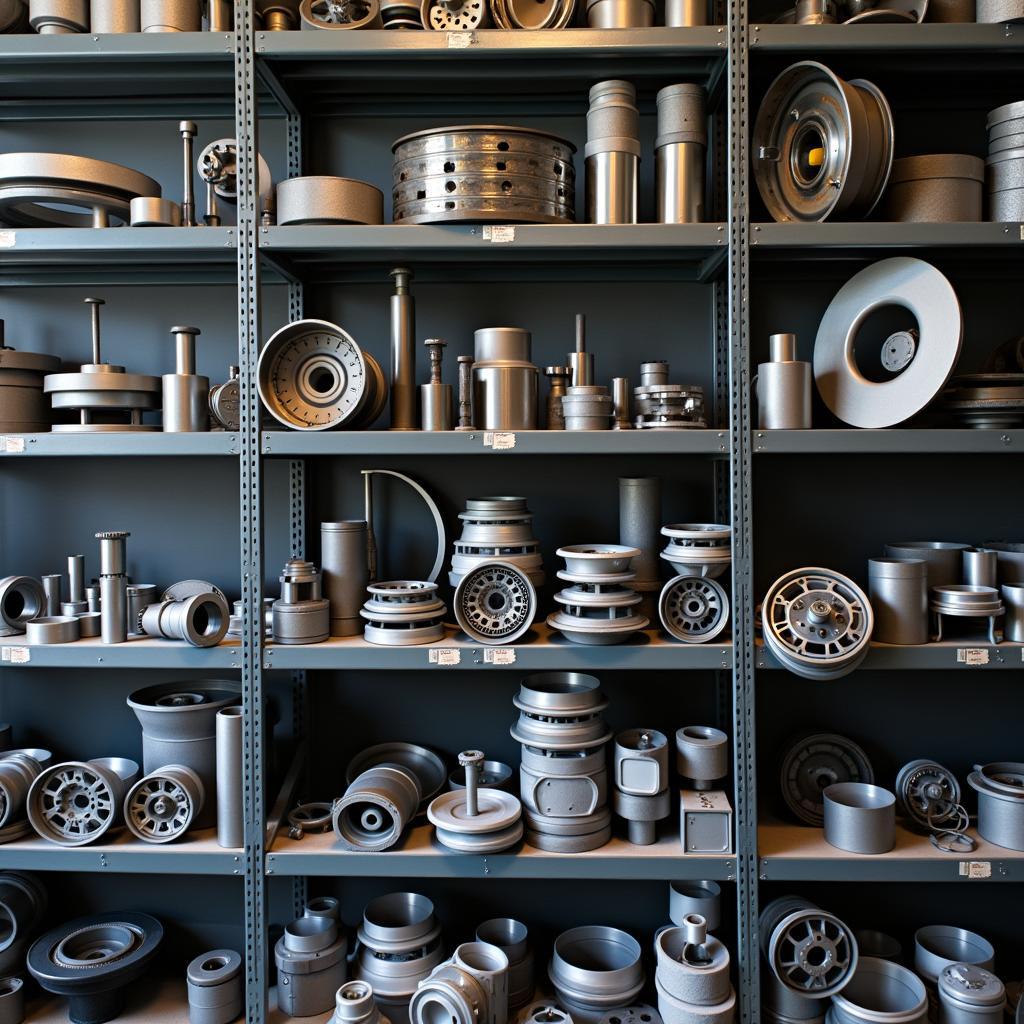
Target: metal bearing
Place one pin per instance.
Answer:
(495, 603)
(693, 609)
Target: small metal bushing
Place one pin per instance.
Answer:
(215, 987)
(702, 755)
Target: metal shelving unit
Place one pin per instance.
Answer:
(304, 75)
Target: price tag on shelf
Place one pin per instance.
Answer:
(444, 656)
(12, 445)
(972, 656)
(16, 655)
(499, 656)
(499, 233)
(7, 239)
(499, 440)
(975, 869)
(460, 40)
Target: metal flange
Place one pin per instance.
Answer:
(495, 603)
(693, 609)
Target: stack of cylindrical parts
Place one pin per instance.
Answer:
(898, 588)
(497, 528)
(345, 573)
(505, 381)
(937, 187)
(783, 388)
(595, 969)
(587, 407)
(402, 613)
(563, 781)
(311, 965)
(679, 154)
(512, 938)
(659, 405)
(301, 615)
(613, 148)
(692, 976)
(698, 549)
(376, 807)
(215, 987)
(639, 523)
(1004, 168)
(399, 945)
(471, 987)
(641, 794)
(702, 755)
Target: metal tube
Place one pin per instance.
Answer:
(51, 589)
(188, 199)
(95, 312)
(898, 589)
(92, 598)
(230, 830)
(979, 567)
(114, 16)
(343, 563)
(640, 523)
(685, 13)
(220, 16)
(113, 609)
(403, 353)
(581, 362)
(186, 394)
(620, 404)
(679, 183)
(465, 393)
(612, 154)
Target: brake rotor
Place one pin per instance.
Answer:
(694, 609)
(817, 623)
(495, 602)
(815, 762)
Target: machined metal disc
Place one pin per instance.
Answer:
(817, 623)
(496, 810)
(694, 609)
(313, 376)
(161, 807)
(495, 602)
(73, 803)
(464, 16)
(812, 764)
(915, 286)
(427, 766)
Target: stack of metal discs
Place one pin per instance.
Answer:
(965, 601)
(1004, 168)
(23, 408)
(698, 549)
(490, 173)
(600, 607)
(986, 401)
(401, 613)
(497, 528)
(563, 780)
(660, 405)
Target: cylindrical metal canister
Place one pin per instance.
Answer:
(620, 13)
(113, 16)
(345, 573)
(684, 13)
(230, 831)
(944, 559)
(186, 398)
(612, 153)
(1013, 601)
(784, 388)
(114, 607)
(512, 938)
(970, 995)
(898, 588)
(859, 817)
(680, 149)
(505, 382)
(980, 567)
(880, 991)
(939, 187)
(640, 523)
(171, 15)
(403, 353)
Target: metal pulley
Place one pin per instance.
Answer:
(823, 147)
(817, 623)
(313, 376)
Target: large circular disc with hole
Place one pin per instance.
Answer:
(693, 609)
(495, 603)
(815, 762)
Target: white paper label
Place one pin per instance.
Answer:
(972, 656)
(499, 233)
(975, 869)
(499, 656)
(12, 445)
(444, 656)
(7, 239)
(499, 440)
(460, 40)
(1021, 232)
(16, 655)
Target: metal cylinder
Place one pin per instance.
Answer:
(114, 16)
(201, 620)
(186, 394)
(620, 14)
(860, 817)
(311, 966)
(403, 353)
(140, 597)
(345, 573)
(640, 523)
(92, 599)
(970, 995)
(621, 417)
(172, 16)
(1013, 601)
(679, 183)
(581, 362)
(783, 388)
(51, 591)
(220, 16)
(944, 559)
(685, 13)
(230, 829)
(376, 808)
(702, 897)
(113, 609)
(880, 991)
(215, 987)
(512, 938)
(702, 755)
(980, 567)
(76, 578)
(58, 17)
(612, 153)
(941, 187)
(898, 588)
(505, 382)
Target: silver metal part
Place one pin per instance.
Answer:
(345, 573)
(466, 394)
(489, 173)
(301, 615)
(813, 763)
(178, 16)
(436, 397)
(880, 989)
(58, 17)
(113, 16)
(218, 166)
(595, 968)
(495, 603)
(354, 1004)
(162, 805)
(679, 153)
(702, 755)
(929, 796)
(944, 559)
(859, 817)
(698, 549)
(817, 623)
(641, 794)
(922, 290)
(620, 13)
(587, 407)
(225, 401)
(558, 377)
(376, 808)
(497, 528)
(965, 602)
(52, 594)
(185, 393)
(215, 983)
(784, 388)
(172, 16)
(139, 597)
(979, 567)
(939, 946)
(1000, 789)
(230, 777)
(528, 14)
(23, 408)
(693, 609)
(639, 525)
(403, 353)
(52, 629)
(311, 965)
(113, 583)
(693, 966)
(938, 188)
(402, 613)
(427, 766)
(822, 147)
(505, 381)
(581, 362)
(512, 938)
(21, 599)
(340, 14)
(612, 155)
(1013, 601)
(313, 376)
(368, 476)
(454, 15)
(703, 898)
(147, 212)
(898, 588)
(970, 995)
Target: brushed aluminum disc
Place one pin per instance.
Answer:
(496, 810)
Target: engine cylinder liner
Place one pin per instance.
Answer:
(693, 609)
(90, 960)
(809, 111)
(594, 968)
(162, 805)
(817, 623)
(215, 987)
(468, 173)
(970, 995)
(560, 694)
(880, 992)
(702, 755)
(324, 199)
(944, 559)
(376, 808)
(494, 603)
(312, 375)
(311, 966)
(939, 188)
(815, 762)
(860, 817)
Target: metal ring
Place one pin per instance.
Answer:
(494, 603)
(953, 842)
(312, 817)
